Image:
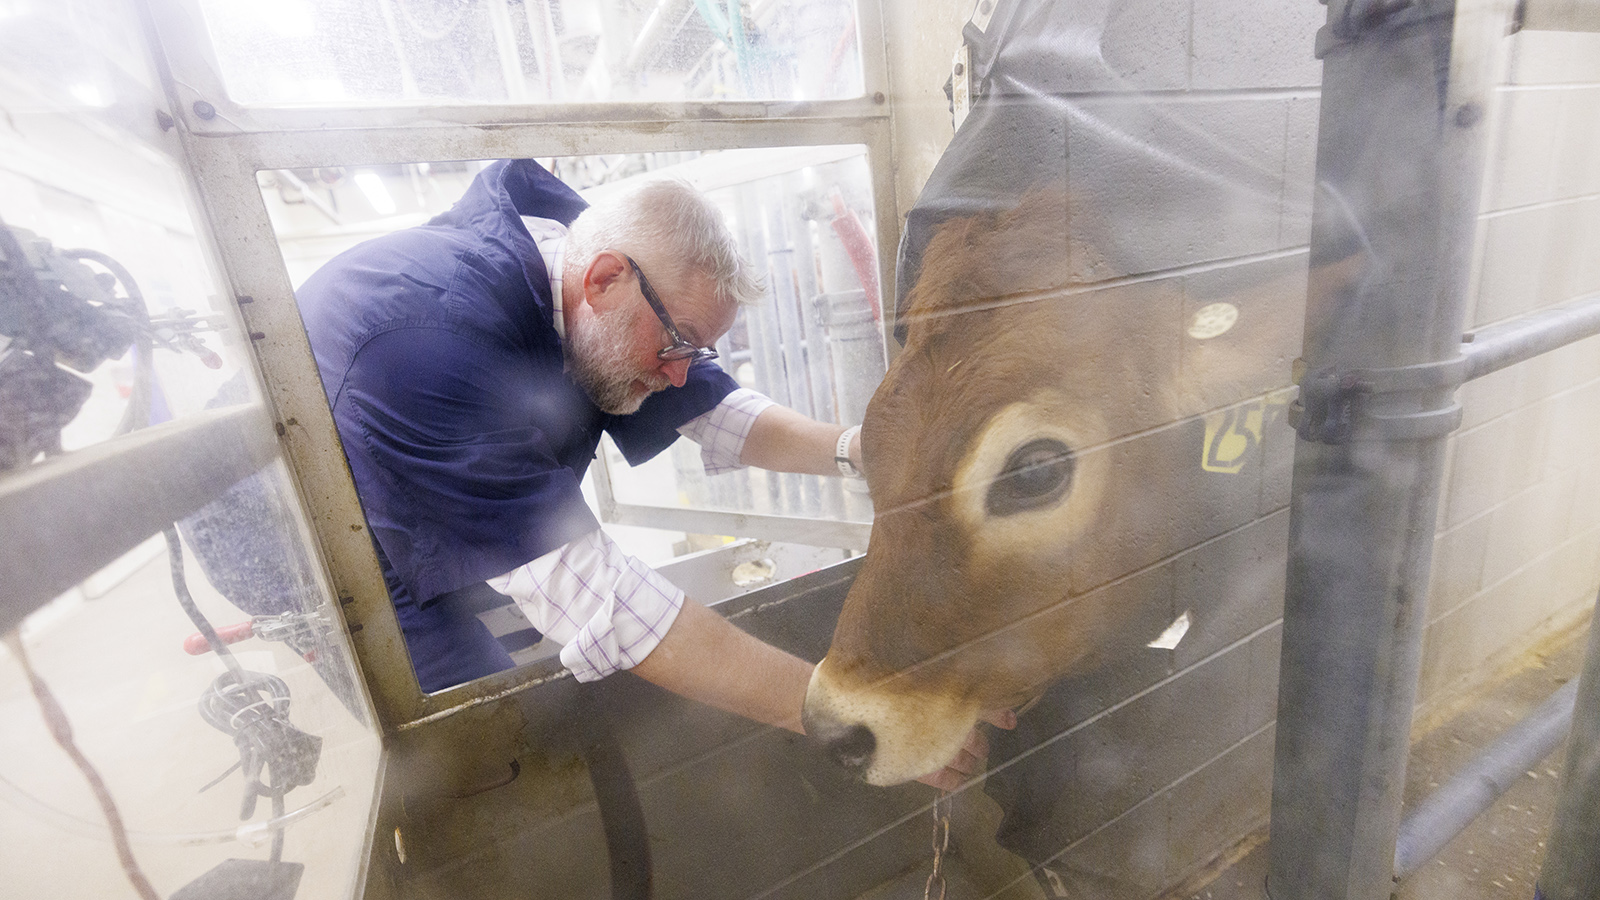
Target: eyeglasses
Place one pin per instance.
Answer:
(680, 349)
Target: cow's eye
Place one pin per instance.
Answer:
(1036, 474)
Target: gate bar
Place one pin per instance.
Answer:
(1447, 811)
(1493, 348)
(1558, 15)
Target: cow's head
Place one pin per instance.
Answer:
(992, 447)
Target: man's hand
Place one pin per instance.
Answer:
(706, 658)
(974, 755)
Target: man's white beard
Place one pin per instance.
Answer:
(598, 354)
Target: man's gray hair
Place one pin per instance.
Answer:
(671, 228)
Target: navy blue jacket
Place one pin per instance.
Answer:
(466, 439)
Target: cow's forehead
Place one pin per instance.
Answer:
(1000, 346)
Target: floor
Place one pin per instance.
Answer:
(1498, 855)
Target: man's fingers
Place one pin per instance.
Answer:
(976, 744)
(971, 759)
(999, 718)
(966, 763)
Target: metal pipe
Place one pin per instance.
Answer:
(1453, 806)
(1572, 864)
(546, 49)
(505, 43)
(134, 484)
(658, 27)
(1493, 348)
(1390, 255)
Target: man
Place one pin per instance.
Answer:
(471, 365)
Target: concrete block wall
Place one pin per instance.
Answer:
(1517, 554)
(1190, 140)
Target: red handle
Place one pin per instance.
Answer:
(196, 644)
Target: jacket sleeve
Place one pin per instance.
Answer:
(654, 427)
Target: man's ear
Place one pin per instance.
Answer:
(604, 281)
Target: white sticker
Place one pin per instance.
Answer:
(1169, 639)
(1213, 320)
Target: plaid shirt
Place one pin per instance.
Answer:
(607, 608)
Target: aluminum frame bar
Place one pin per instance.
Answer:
(783, 529)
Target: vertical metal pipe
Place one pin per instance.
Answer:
(505, 42)
(797, 197)
(766, 351)
(1572, 864)
(546, 49)
(799, 492)
(1398, 162)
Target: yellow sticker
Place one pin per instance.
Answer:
(1228, 441)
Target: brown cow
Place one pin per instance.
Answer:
(992, 448)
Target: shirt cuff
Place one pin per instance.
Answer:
(721, 433)
(609, 609)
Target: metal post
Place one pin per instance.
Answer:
(1400, 149)
(1572, 865)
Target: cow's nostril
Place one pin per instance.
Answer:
(853, 747)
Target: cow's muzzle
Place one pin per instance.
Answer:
(851, 745)
(884, 737)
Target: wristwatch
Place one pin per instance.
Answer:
(841, 453)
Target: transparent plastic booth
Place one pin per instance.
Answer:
(1228, 384)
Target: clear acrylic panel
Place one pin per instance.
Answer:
(363, 52)
(163, 723)
(97, 221)
(815, 344)
(115, 334)
(803, 215)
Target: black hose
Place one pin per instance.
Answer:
(253, 709)
(621, 814)
(137, 415)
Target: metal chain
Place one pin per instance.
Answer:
(941, 843)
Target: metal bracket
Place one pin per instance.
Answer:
(1332, 406)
